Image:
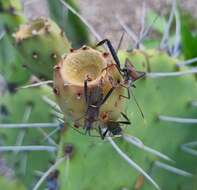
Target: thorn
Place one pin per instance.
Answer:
(52, 133)
(171, 74)
(130, 33)
(172, 169)
(94, 32)
(187, 62)
(189, 148)
(138, 143)
(132, 163)
(46, 136)
(29, 125)
(57, 114)
(38, 173)
(36, 84)
(27, 148)
(46, 174)
(177, 119)
(22, 133)
(176, 48)
(52, 103)
(2, 34)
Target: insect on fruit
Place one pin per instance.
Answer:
(94, 99)
(128, 73)
(114, 127)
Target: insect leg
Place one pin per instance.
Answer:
(107, 96)
(86, 91)
(112, 51)
(128, 93)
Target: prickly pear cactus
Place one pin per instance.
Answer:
(42, 43)
(158, 97)
(151, 153)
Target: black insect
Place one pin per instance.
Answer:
(94, 99)
(128, 72)
(114, 127)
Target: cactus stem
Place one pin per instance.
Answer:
(94, 32)
(177, 119)
(50, 140)
(36, 84)
(171, 74)
(51, 103)
(188, 147)
(164, 40)
(138, 143)
(27, 148)
(187, 62)
(131, 162)
(30, 125)
(172, 169)
(45, 175)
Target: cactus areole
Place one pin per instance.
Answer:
(101, 75)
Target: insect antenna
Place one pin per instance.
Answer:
(139, 108)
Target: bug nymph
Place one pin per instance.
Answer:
(94, 99)
(114, 127)
(128, 72)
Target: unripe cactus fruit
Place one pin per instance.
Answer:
(100, 69)
(42, 43)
